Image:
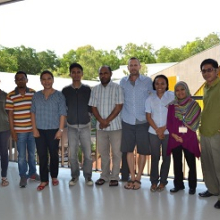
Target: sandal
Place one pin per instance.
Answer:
(137, 185)
(41, 187)
(4, 182)
(129, 185)
(113, 183)
(100, 182)
(153, 188)
(55, 182)
(161, 187)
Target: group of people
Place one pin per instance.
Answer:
(135, 114)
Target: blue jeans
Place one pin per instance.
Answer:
(26, 142)
(80, 135)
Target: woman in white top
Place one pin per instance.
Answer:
(156, 113)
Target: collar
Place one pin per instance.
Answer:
(213, 84)
(140, 77)
(17, 92)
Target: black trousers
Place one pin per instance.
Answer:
(178, 167)
(47, 144)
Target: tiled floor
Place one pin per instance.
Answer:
(82, 202)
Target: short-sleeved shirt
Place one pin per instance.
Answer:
(210, 120)
(4, 123)
(158, 109)
(48, 111)
(20, 105)
(104, 98)
(135, 97)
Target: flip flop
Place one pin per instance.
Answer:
(100, 182)
(113, 183)
(137, 185)
(5, 182)
(129, 184)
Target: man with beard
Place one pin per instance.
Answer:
(107, 101)
(136, 89)
(18, 104)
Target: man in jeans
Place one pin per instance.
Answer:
(18, 104)
(79, 126)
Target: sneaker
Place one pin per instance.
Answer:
(89, 182)
(23, 182)
(35, 177)
(73, 181)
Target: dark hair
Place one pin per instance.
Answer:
(73, 65)
(108, 67)
(214, 63)
(133, 58)
(46, 72)
(21, 72)
(163, 77)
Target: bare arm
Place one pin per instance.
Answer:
(104, 123)
(34, 127)
(159, 130)
(61, 127)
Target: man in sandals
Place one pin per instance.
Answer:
(107, 101)
(18, 104)
(136, 89)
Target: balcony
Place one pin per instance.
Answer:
(82, 202)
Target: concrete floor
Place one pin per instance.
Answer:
(82, 202)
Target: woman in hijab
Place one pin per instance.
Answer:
(182, 122)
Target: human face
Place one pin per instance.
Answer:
(47, 81)
(209, 73)
(160, 85)
(104, 75)
(180, 92)
(76, 74)
(134, 67)
(21, 81)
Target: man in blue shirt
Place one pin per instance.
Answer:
(136, 89)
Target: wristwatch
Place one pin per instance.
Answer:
(61, 130)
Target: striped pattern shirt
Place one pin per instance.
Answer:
(104, 98)
(20, 105)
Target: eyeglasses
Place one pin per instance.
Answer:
(207, 70)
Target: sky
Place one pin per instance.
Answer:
(62, 25)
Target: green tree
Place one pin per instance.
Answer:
(65, 61)
(48, 60)
(27, 60)
(8, 61)
(143, 52)
(166, 55)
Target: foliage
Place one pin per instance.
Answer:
(28, 60)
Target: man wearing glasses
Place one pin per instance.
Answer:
(18, 104)
(210, 130)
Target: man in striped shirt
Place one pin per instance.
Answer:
(107, 101)
(18, 104)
